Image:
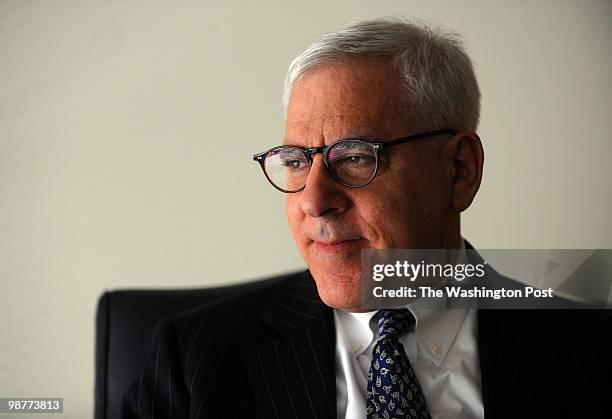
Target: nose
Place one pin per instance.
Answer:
(322, 195)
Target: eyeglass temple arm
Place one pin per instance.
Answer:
(418, 137)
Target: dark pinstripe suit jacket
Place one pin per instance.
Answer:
(270, 354)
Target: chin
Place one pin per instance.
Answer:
(339, 290)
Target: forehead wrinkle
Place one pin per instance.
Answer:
(364, 127)
(329, 129)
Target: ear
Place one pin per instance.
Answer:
(463, 159)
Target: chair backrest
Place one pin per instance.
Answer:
(124, 321)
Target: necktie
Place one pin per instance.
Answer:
(393, 388)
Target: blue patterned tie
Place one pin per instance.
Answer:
(393, 389)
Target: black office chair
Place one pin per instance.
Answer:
(124, 321)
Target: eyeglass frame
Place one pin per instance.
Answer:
(378, 147)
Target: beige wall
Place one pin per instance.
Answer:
(126, 130)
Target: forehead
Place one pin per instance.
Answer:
(349, 98)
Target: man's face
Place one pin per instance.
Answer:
(407, 205)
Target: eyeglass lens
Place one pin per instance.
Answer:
(351, 162)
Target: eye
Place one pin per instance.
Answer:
(357, 160)
(294, 164)
(354, 154)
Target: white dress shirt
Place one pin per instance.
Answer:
(443, 352)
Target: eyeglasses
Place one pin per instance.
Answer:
(351, 162)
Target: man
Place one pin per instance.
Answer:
(380, 152)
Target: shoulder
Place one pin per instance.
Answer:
(190, 350)
(232, 315)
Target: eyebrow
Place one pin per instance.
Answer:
(348, 137)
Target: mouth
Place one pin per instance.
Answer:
(337, 246)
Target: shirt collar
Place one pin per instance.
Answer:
(436, 327)
(357, 329)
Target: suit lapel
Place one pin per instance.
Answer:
(517, 352)
(492, 357)
(496, 352)
(293, 374)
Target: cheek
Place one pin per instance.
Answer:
(382, 214)
(398, 214)
(294, 215)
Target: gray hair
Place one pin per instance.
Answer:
(440, 85)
